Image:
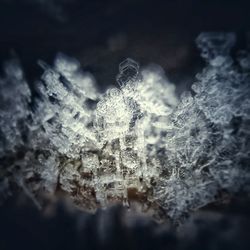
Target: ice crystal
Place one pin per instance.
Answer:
(140, 144)
(129, 70)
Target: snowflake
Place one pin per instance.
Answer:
(140, 144)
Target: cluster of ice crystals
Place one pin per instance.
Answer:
(209, 138)
(14, 98)
(113, 115)
(64, 110)
(138, 144)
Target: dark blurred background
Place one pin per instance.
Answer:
(100, 34)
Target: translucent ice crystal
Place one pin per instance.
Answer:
(128, 72)
(140, 144)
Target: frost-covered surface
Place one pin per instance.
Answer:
(139, 144)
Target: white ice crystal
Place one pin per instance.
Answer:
(136, 144)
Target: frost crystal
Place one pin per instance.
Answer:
(139, 144)
(129, 70)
